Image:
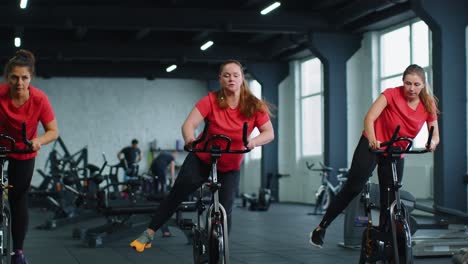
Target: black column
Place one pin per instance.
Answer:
(333, 50)
(269, 75)
(447, 21)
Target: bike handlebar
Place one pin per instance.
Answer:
(324, 168)
(192, 147)
(13, 149)
(391, 149)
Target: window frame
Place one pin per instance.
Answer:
(427, 69)
(301, 98)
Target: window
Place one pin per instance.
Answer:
(311, 97)
(400, 47)
(256, 89)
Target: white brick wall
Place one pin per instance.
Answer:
(106, 113)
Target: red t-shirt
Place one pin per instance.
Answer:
(398, 112)
(229, 122)
(36, 109)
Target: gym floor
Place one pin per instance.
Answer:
(278, 236)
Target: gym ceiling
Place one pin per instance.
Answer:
(141, 38)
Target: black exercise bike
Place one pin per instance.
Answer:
(210, 240)
(5, 216)
(390, 242)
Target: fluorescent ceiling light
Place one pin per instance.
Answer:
(171, 68)
(206, 45)
(270, 8)
(17, 42)
(23, 4)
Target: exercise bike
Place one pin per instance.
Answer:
(390, 242)
(6, 246)
(262, 201)
(327, 190)
(210, 240)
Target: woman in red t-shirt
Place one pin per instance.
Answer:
(22, 103)
(226, 109)
(409, 106)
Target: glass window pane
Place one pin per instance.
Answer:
(256, 89)
(311, 77)
(395, 51)
(421, 139)
(420, 43)
(390, 83)
(312, 125)
(255, 153)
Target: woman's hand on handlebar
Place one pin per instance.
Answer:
(251, 144)
(35, 145)
(374, 144)
(431, 146)
(189, 143)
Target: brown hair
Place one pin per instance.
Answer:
(249, 104)
(22, 58)
(428, 99)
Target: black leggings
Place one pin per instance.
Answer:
(192, 175)
(19, 176)
(362, 166)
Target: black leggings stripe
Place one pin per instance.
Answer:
(19, 176)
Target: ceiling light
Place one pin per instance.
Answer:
(206, 45)
(23, 4)
(17, 42)
(270, 8)
(171, 68)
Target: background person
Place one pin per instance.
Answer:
(129, 156)
(159, 167)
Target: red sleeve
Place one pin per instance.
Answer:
(389, 94)
(261, 118)
(431, 118)
(204, 106)
(47, 114)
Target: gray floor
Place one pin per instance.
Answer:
(276, 237)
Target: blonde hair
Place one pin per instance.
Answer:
(428, 99)
(249, 104)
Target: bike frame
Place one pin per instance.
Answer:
(327, 188)
(216, 214)
(395, 210)
(5, 220)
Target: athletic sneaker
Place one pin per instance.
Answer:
(142, 242)
(18, 258)
(316, 237)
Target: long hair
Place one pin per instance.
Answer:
(22, 58)
(428, 99)
(249, 104)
